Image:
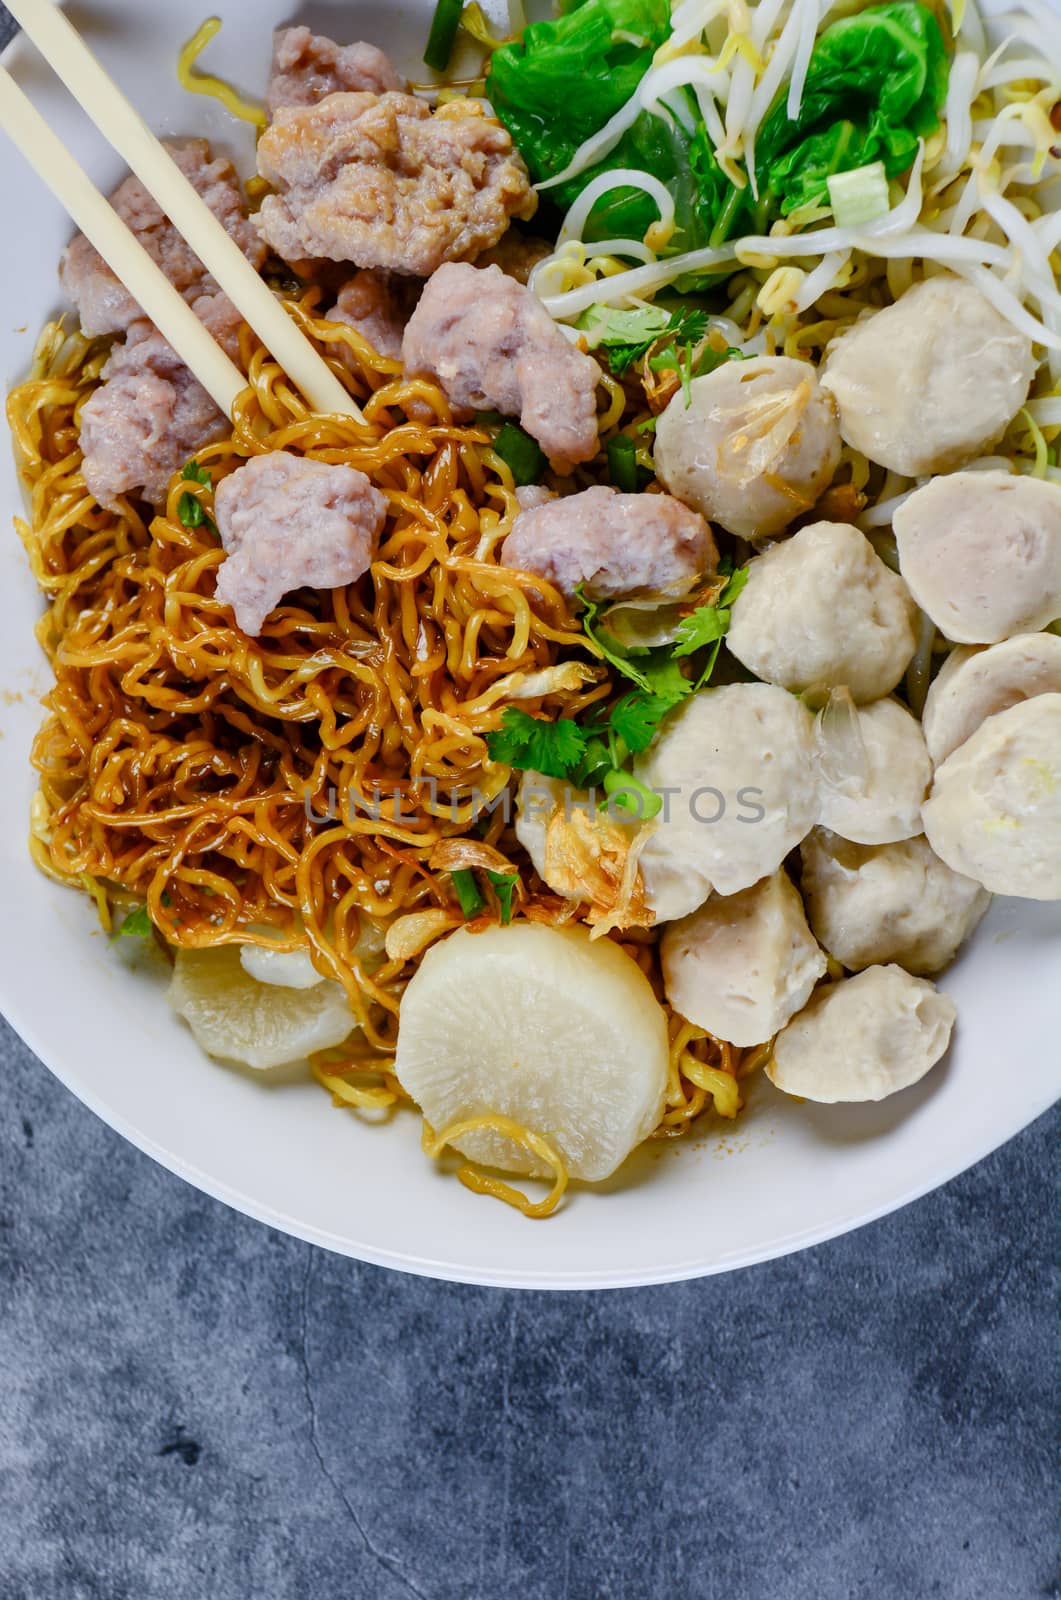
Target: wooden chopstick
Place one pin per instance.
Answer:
(122, 126)
(120, 248)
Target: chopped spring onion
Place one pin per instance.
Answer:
(629, 794)
(860, 196)
(622, 463)
(504, 883)
(468, 892)
(443, 35)
(522, 455)
(137, 925)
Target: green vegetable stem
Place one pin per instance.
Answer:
(443, 35)
(622, 463)
(468, 892)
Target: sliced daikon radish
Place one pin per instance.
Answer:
(541, 1025)
(259, 1025)
(286, 969)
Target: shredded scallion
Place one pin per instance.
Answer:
(622, 463)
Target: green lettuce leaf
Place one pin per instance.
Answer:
(875, 85)
(566, 78)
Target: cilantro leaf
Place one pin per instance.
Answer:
(190, 511)
(660, 682)
(189, 508)
(522, 455)
(615, 653)
(705, 626)
(736, 583)
(626, 336)
(528, 743)
(665, 677)
(504, 883)
(635, 718)
(596, 750)
(716, 358)
(708, 625)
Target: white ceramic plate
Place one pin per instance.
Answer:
(786, 1175)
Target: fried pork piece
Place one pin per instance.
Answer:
(103, 304)
(491, 344)
(149, 414)
(307, 66)
(616, 544)
(379, 181)
(287, 521)
(517, 255)
(377, 305)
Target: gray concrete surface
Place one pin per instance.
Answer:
(193, 1407)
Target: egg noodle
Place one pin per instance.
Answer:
(194, 81)
(299, 789)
